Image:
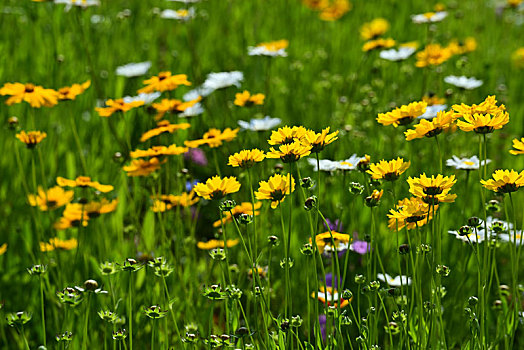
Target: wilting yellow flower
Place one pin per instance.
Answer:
(214, 138)
(157, 151)
(518, 146)
(331, 297)
(3, 248)
(275, 189)
(246, 158)
(483, 123)
(459, 48)
(378, 44)
(35, 95)
(173, 106)
(518, 57)
(433, 55)
(325, 241)
(335, 10)
(164, 82)
(141, 167)
(286, 135)
(162, 127)
(217, 187)
(289, 153)
(245, 99)
(373, 29)
(53, 198)
(83, 181)
(410, 213)
(168, 201)
(402, 115)
(117, 105)
(388, 170)
(434, 189)
(243, 208)
(215, 243)
(71, 92)
(488, 106)
(57, 243)
(318, 141)
(31, 138)
(504, 181)
(425, 128)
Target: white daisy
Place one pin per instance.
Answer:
(463, 82)
(264, 51)
(192, 111)
(133, 69)
(429, 17)
(394, 281)
(505, 237)
(431, 111)
(397, 55)
(81, 3)
(473, 237)
(215, 81)
(471, 163)
(180, 15)
(147, 98)
(325, 164)
(353, 160)
(263, 124)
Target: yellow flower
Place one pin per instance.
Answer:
(55, 197)
(325, 241)
(164, 82)
(157, 151)
(374, 198)
(488, 106)
(410, 213)
(432, 100)
(243, 208)
(117, 105)
(31, 138)
(483, 123)
(217, 187)
(57, 243)
(275, 189)
(433, 55)
(246, 158)
(71, 92)
(319, 141)
(275, 45)
(513, 3)
(173, 106)
(73, 215)
(402, 115)
(518, 146)
(3, 248)
(388, 170)
(245, 99)
(425, 128)
(141, 167)
(504, 181)
(289, 153)
(373, 29)
(518, 57)
(215, 243)
(459, 48)
(433, 190)
(83, 181)
(378, 44)
(336, 10)
(35, 95)
(286, 135)
(95, 209)
(168, 201)
(214, 138)
(162, 127)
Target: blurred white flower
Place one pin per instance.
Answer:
(512, 237)
(397, 55)
(431, 111)
(192, 111)
(463, 82)
(429, 17)
(215, 81)
(180, 15)
(185, 1)
(353, 160)
(81, 3)
(325, 164)
(394, 281)
(263, 51)
(263, 124)
(147, 98)
(473, 237)
(471, 163)
(133, 69)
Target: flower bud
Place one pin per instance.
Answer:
(360, 279)
(465, 231)
(310, 203)
(474, 221)
(472, 301)
(306, 183)
(403, 249)
(227, 205)
(307, 249)
(355, 188)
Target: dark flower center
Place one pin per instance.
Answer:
(415, 218)
(507, 188)
(391, 176)
(433, 132)
(29, 88)
(277, 195)
(433, 190)
(405, 120)
(484, 129)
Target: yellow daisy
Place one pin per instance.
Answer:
(71, 92)
(243, 208)
(31, 138)
(402, 115)
(217, 187)
(388, 170)
(318, 141)
(289, 153)
(425, 128)
(286, 135)
(275, 189)
(410, 213)
(162, 127)
(165, 81)
(214, 138)
(504, 181)
(53, 198)
(518, 146)
(35, 95)
(433, 55)
(434, 189)
(245, 99)
(373, 29)
(246, 158)
(215, 243)
(83, 181)
(141, 167)
(157, 151)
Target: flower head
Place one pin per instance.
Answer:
(388, 170)
(164, 81)
(463, 82)
(53, 198)
(504, 181)
(243, 208)
(173, 106)
(215, 243)
(133, 69)
(483, 123)
(318, 141)
(335, 10)
(141, 167)
(217, 187)
(57, 243)
(471, 163)
(286, 135)
(71, 92)
(488, 106)
(429, 17)
(396, 281)
(117, 105)
(325, 241)
(433, 55)
(402, 115)
(275, 189)
(271, 49)
(83, 181)
(410, 213)
(166, 202)
(378, 44)
(291, 152)
(434, 189)
(373, 29)
(245, 99)
(331, 296)
(246, 158)
(157, 151)
(31, 138)
(162, 127)
(263, 124)
(35, 95)
(518, 146)
(214, 138)
(425, 128)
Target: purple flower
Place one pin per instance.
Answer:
(322, 320)
(196, 156)
(360, 247)
(334, 225)
(329, 281)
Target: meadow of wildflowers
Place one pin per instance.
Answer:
(278, 174)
